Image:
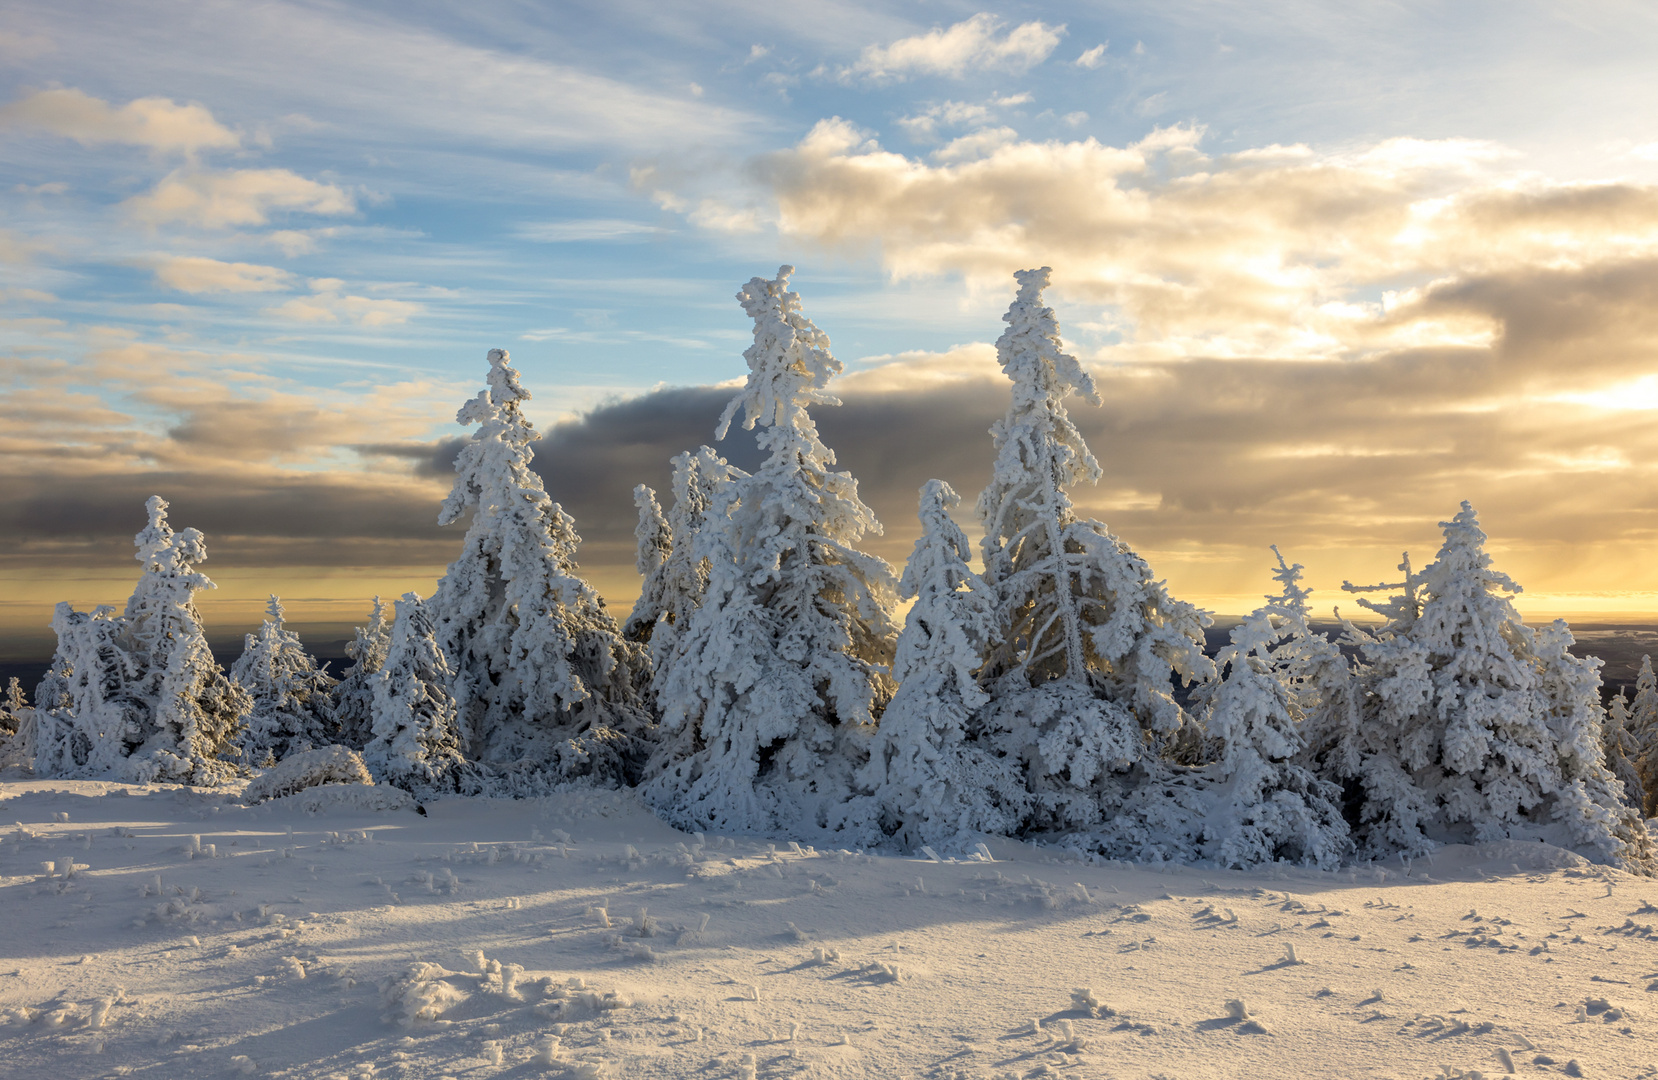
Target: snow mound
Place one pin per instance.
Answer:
(348, 798)
(308, 769)
(421, 993)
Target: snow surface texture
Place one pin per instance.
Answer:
(171, 932)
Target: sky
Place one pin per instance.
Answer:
(1335, 268)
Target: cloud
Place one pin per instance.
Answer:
(329, 303)
(1275, 252)
(926, 123)
(194, 274)
(25, 46)
(971, 44)
(224, 199)
(157, 123)
(563, 232)
(16, 250)
(1092, 58)
(979, 144)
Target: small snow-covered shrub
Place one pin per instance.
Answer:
(291, 703)
(307, 769)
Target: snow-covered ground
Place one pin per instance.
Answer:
(173, 933)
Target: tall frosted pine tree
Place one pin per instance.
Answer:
(782, 668)
(544, 684)
(1088, 642)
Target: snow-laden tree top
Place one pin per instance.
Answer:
(1036, 438)
(789, 365)
(499, 413)
(165, 591)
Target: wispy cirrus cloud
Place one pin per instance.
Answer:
(198, 274)
(951, 52)
(329, 302)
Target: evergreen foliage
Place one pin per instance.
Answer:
(416, 741)
(354, 695)
(674, 569)
(932, 777)
(140, 693)
(1475, 726)
(292, 709)
(542, 679)
(1622, 753)
(1087, 643)
(781, 670)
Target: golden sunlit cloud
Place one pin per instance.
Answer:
(210, 199)
(157, 123)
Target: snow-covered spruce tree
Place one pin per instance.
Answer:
(12, 706)
(1087, 642)
(545, 686)
(416, 743)
(1643, 727)
(140, 692)
(781, 670)
(675, 572)
(1257, 803)
(292, 709)
(932, 778)
(354, 695)
(1475, 726)
(1622, 753)
(87, 718)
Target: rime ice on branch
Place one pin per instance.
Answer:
(542, 679)
(1476, 727)
(140, 692)
(780, 670)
